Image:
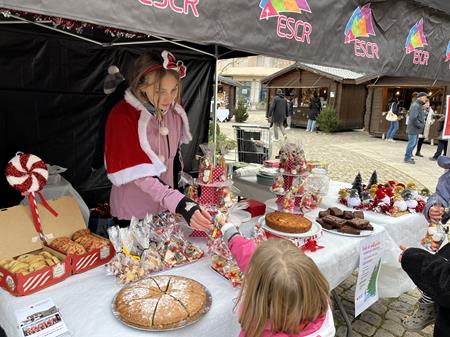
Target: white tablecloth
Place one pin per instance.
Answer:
(405, 230)
(85, 299)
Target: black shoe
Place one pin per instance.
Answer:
(410, 161)
(433, 158)
(418, 154)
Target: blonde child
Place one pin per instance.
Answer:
(283, 294)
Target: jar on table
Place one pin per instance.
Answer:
(318, 180)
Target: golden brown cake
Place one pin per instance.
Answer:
(161, 301)
(288, 223)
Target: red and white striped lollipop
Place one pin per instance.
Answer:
(27, 173)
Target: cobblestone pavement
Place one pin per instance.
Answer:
(349, 153)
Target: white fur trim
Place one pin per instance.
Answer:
(186, 136)
(132, 173)
(144, 118)
(135, 103)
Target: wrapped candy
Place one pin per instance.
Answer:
(148, 246)
(222, 259)
(278, 184)
(434, 238)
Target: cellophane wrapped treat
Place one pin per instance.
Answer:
(148, 246)
(222, 260)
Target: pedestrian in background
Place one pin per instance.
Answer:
(393, 117)
(429, 120)
(314, 109)
(277, 113)
(290, 99)
(416, 125)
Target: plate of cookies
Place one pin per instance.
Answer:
(346, 223)
(161, 303)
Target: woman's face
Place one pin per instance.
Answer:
(165, 94)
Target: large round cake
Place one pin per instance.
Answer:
(288, 223)
(161, 302)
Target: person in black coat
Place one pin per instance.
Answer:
(278, 112)
(314, 109)
(290, 100)
(431, 273)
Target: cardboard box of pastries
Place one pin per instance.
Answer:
(70, 237)
(26, 265)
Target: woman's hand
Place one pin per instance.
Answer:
(201, 220)
(435, 214)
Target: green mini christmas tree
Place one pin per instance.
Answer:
(357, 184)
(372, 287)
(241, 114)
(373, 179)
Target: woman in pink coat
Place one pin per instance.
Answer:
(283, 294)
(143, 134)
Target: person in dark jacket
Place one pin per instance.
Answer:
(278, 112)
(393, 128)
(416, 125)
(314, 109)
(431, 273)
(434, 212)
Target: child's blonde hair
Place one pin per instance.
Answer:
(282, 287)
(139, 82)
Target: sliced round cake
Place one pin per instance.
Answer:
(161, 302)
(288, 223)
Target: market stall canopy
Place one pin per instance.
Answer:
(402, 38)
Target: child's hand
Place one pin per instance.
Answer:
(435, 214)
(228, 231)
(402, 248)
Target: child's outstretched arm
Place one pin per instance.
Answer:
(431, 273)
(442, 194)
(241, 248)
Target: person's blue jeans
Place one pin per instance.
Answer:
(412, 142)
(393, 128)
(311, 125)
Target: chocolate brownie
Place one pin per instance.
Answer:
(358, 214)
(336, 211)
(324, 213)
(358, 223)
(348, 215)
(324, 224)
(334, 221)
(349, 230)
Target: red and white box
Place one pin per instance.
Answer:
(19, 237)
(73, 221)
(272, 163)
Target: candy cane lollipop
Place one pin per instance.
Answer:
(27, 173)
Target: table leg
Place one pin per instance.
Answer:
(338, 301)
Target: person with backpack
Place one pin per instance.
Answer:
(277, 113)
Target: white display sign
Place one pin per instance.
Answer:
(366, 292)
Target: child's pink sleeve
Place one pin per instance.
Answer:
(242, 249)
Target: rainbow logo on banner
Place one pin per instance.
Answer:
(271, 8)
(416, 38)
(360, 24)
(447, 53)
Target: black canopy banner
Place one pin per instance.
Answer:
(400, 38)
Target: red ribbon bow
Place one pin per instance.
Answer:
(311, 245)
(170, 62)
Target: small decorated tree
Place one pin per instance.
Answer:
(373, 179)
(241, 114)
(357, 184)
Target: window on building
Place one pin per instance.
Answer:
(304, 96)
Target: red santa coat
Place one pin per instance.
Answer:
(128, 154)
